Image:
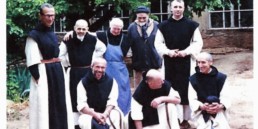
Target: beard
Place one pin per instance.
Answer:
(142, 23)
(80, 37)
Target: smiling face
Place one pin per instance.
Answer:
(115, 30)
(99, 68)
(142, 18)
(177, 8)
(47, 16)
(204, 62)
(116, 25)
(81, 28)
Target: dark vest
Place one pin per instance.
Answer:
(145, 55)
(97, 91)
(80, 52)
(207, 84)
(46, 40)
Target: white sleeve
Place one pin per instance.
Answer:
(224, 95)
(33, 55)
(63, 55)
(100, 49)
(160, 45)
(136, 110)
(194, 103)
(173, 93)
(81, 97)
(196, 44)
(113, 96)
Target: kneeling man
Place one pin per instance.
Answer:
(208, 95)
(153, 104)
(97, 95)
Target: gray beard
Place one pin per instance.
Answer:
(80, 37)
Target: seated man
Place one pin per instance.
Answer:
(97, 95)
(153, 104)
(207, 95)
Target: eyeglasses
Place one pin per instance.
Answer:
(48, 15)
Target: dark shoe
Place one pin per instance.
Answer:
(185, 125)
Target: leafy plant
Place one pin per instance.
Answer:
(12, 85)
(18, 81)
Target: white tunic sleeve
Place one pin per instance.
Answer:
(81, 97)
(136, 110)
(225, 96)
(63, 55)
(33, 55)
(196, 44)
(193, 100)
(173, 93)
(113, 96)
(100, 49)
(160, 44)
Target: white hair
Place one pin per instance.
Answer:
(116, 21)
(205, 55)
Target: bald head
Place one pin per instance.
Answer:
(152, 73)
(98, 60)
(154, 78)
(81, 22)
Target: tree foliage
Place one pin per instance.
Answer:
(22, 16)
(198, 6)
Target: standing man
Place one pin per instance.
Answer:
(50, 104)
(208, 95)
(77, 54)
(153, 104)
(117, 48)
(141, 35)
(178, 41)
(97, 95)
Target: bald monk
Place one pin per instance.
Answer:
(209, 95)
(77, 54)
(153, 104)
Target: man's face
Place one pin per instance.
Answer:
(81, 30)
(155, 83)
(48, 16)
(99, 70)
(142, 18)
(115, 30)
(177, 9)
(204, 65)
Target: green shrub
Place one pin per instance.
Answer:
(18, 81)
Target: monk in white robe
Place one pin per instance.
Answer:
(97, 95)
(208, 95)
(153, 104)
(50, 104)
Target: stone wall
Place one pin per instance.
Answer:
(228, 38)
